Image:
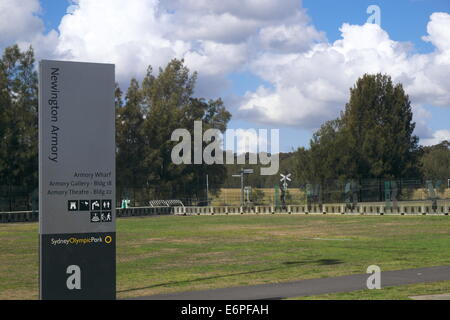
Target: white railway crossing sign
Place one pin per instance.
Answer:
(285, 179)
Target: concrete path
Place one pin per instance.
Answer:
(312, 286)
(445, 296)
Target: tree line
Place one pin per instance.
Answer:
(372, 138)
(146, 115)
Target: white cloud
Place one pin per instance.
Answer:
(129, 34)
(438, 137)
(289, 38)
(238, 21)
(421, 116)
(313, 86)
(224, 28)
(20, 23)
(268, 10)
(438, 31)
(19, 20)
(309, 78)
(214, 37)
(214, 58)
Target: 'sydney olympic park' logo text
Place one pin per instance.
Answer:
(81, 241)
(253, 142)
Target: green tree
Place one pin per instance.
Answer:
(373, 137)
(165, 97)
(18, 114)
(327, 157)
(436, 161)
(378, 128)
(129, 139)
(145, 124)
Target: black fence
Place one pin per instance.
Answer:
(13, 198)
(33, 216)
(18, 198)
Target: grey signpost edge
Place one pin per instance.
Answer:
(77, 197)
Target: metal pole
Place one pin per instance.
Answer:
(207, 191)
(242, 187)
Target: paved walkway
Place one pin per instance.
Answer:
(445, 296)
(312, 286)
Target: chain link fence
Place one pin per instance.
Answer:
(350, 192)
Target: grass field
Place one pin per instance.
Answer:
(232, 196)
(170, 254)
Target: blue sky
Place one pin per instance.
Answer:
(52, 12)
(404, 21)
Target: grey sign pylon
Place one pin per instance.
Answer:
(76, 149)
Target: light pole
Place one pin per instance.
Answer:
(241, 175)
(207, 192)
(242, 184)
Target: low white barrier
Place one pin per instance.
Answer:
(370, 209)
(376, 208)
